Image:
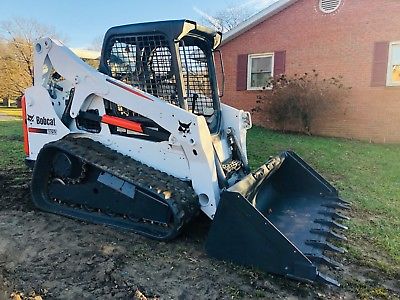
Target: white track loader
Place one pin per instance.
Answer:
(144, 144)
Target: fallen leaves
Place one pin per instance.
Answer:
(140, 296)
(21, 296)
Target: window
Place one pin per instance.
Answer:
(259, 70)
(329, 6)
(195, 74)
(393, 72)
(122, 59)
(144, 61)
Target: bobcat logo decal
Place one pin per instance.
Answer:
(30, 118)
(183, 127)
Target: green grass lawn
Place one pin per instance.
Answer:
(11, 144)
(367, 175)
(11, 111)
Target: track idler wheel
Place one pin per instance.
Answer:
(66, 166)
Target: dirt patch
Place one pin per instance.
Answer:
(60, 258)
(8, 118)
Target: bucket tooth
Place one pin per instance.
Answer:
(334, 215)
(329, 234)
(324, 260)
(322, 278)
(343, 201)
(336, 205)
(337, 215)
(331, 224)
(325, 246)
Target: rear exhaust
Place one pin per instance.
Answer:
(280, 219)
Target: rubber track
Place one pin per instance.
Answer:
(182, 200)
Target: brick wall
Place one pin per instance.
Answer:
(341, 43)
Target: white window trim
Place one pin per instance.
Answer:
(389, 81)
(258, 55)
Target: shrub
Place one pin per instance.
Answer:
(298, 100)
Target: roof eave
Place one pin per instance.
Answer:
(263, 15)
(86, 54)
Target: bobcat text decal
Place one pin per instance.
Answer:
(45, 121)
(41, 121)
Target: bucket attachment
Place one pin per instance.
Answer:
(279, 219)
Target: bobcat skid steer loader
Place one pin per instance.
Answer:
(144, 144)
